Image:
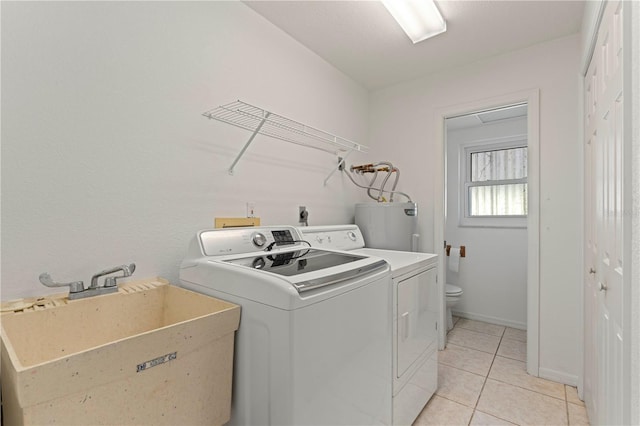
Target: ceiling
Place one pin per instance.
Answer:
(361, 39)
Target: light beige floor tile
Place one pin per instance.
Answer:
(458, 385)
(481, 327)
(578, 415)
(521, 406)
(471, 360)
(572, 395)
(441, 411)
(473, 340)
(515, 334)
(483, 419)
(455, 319)
(514, 372)
(513, 349)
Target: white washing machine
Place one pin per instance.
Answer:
(416, 308)
(313, 343)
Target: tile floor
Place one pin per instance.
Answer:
(482, 381)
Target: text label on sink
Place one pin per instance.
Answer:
(157, 361)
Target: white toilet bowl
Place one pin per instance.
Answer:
(453, 294)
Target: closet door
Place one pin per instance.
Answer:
(604, 383)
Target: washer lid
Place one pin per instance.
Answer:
(311, 268)
(290, 263)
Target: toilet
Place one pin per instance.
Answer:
(453, 294)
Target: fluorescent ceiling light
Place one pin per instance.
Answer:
(420, 19)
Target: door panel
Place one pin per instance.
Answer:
(603, 234)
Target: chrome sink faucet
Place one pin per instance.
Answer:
(77, 289)
(127, 270)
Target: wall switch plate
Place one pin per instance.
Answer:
(251, 209)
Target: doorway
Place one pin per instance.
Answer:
(486, 212)
(528, 225)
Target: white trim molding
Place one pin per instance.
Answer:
(532, 99)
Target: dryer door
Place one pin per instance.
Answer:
(417, 316)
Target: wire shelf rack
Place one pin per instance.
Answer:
(262, 122)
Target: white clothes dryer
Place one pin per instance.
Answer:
(416, 309)
(313, 343)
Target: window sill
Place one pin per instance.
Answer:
(519, 222)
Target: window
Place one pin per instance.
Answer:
(494, 191)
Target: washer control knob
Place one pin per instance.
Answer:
(352, 235)
(258, 263)
(258, 239)
(319, 239)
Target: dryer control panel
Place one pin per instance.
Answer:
(337, 237)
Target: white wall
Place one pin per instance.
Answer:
(403, 131)
(494, 274)
(106, 158)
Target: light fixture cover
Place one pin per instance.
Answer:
(420, 19)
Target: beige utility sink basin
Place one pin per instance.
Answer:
(152, 353)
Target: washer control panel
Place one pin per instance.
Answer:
(282, 237)
(219, 242)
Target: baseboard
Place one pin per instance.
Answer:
(491, 320)
(558, 376)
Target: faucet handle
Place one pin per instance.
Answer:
(129, 271)
(74, 287)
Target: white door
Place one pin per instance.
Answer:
(604, 344)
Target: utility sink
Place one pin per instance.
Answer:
(152, 353)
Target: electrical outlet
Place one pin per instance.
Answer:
(251, 209)
(303, 215)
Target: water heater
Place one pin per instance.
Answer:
(390, 226)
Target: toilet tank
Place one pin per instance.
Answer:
(391, 226)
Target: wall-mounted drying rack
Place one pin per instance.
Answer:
(263, 122)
